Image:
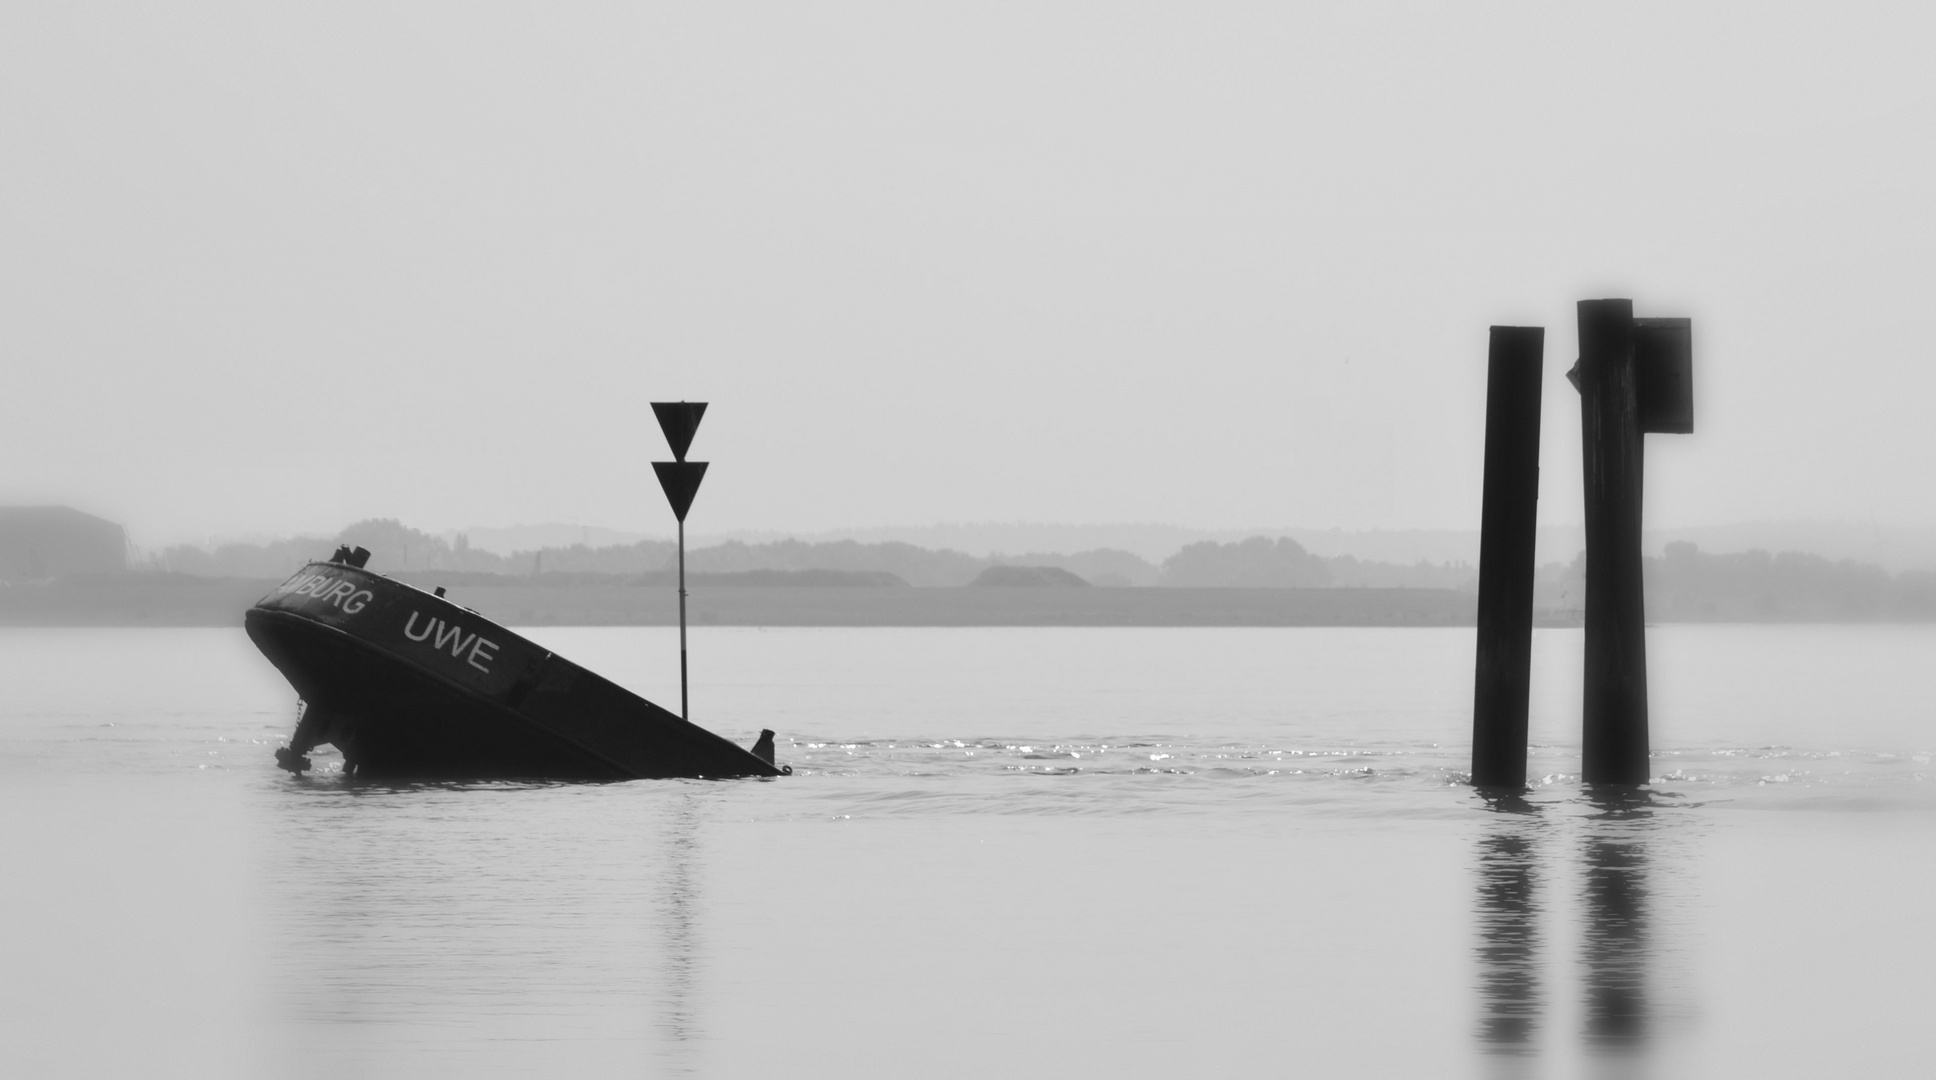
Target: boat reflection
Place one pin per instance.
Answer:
(489, 925)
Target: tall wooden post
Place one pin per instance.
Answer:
(1507, 529)
(1614, 742)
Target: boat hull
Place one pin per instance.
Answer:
(409, 685)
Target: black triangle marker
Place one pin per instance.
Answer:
(680, 421)
(680, 479)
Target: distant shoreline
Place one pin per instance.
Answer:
(181, 601)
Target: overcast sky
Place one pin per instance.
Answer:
(277, 267)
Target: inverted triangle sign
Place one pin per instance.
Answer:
(680, 479)
(680, 421)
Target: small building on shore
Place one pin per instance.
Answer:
(38, 543)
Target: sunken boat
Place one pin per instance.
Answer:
(408, 685)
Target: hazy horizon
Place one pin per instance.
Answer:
(1892, 547)
(276, 270)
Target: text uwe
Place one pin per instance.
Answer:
(441, 635)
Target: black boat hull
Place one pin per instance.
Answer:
(409, 685)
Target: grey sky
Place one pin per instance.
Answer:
(277, 267)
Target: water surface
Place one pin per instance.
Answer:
(1120, 852)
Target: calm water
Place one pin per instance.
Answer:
(1004, 852)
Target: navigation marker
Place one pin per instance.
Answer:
(680, 421)
(680, 481)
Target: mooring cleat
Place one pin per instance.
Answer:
(289, 759)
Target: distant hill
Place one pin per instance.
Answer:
(42, 542)
(1029, 577)
(526, 538)
(1257, 562)
(780, 579)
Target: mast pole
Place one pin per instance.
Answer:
(684, 708)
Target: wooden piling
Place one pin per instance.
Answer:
(1507, 528)
(1614, 742)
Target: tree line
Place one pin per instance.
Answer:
(1258, 562)
(1683, 584)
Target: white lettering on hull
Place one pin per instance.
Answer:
(337, 592)
(451, 636)
(441, 635)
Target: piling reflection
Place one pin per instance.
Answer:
(1514, 878)
(1509, 939)
(1617, 940)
